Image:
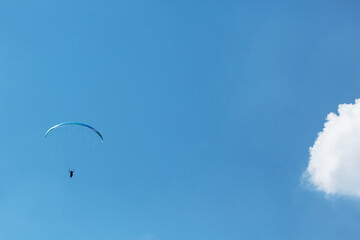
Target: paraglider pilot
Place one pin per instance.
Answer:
(71, 173)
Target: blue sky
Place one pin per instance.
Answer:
(207, 108)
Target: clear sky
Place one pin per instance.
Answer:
(207, 108)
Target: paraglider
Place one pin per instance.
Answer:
(74, 141)
(71, 173)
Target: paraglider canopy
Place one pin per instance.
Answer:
(74, 123)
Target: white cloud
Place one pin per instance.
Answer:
(334, 165)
